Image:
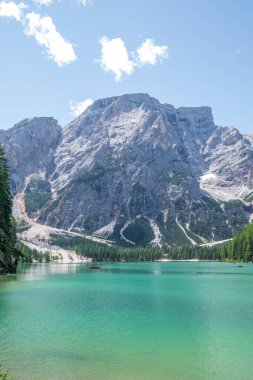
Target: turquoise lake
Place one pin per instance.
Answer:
(147, 321)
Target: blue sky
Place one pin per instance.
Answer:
(183, 52)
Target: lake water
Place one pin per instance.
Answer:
(150, 321)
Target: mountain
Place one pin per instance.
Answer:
(30, 147)
(134, 171)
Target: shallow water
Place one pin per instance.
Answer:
(152, 321)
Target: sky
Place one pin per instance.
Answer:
(58, 56)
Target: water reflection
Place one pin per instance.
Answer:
(33, 272)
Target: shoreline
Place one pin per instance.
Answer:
(89, 261)
(123, 262)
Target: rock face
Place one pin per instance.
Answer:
(30, 146)
(138, 172)
(229, 156)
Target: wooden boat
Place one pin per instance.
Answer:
(94, 267)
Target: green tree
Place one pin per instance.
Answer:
(8, 253)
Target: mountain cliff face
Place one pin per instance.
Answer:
(30, 147)
(135, 171)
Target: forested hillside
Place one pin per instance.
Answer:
(8, 253)
(240, 248)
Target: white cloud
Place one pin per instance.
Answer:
(49, 2)
(148, 53)
(45, 33)
(79, 107)
(85, 2)
(11, 9)
(114, 57)
(44, 2)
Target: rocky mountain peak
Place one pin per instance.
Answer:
(30, 145)
(35, 122)
(131, 166)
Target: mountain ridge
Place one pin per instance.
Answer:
(138, 172)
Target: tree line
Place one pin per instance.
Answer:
(102, 252)
(240, 248)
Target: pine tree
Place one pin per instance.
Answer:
(8, 254)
